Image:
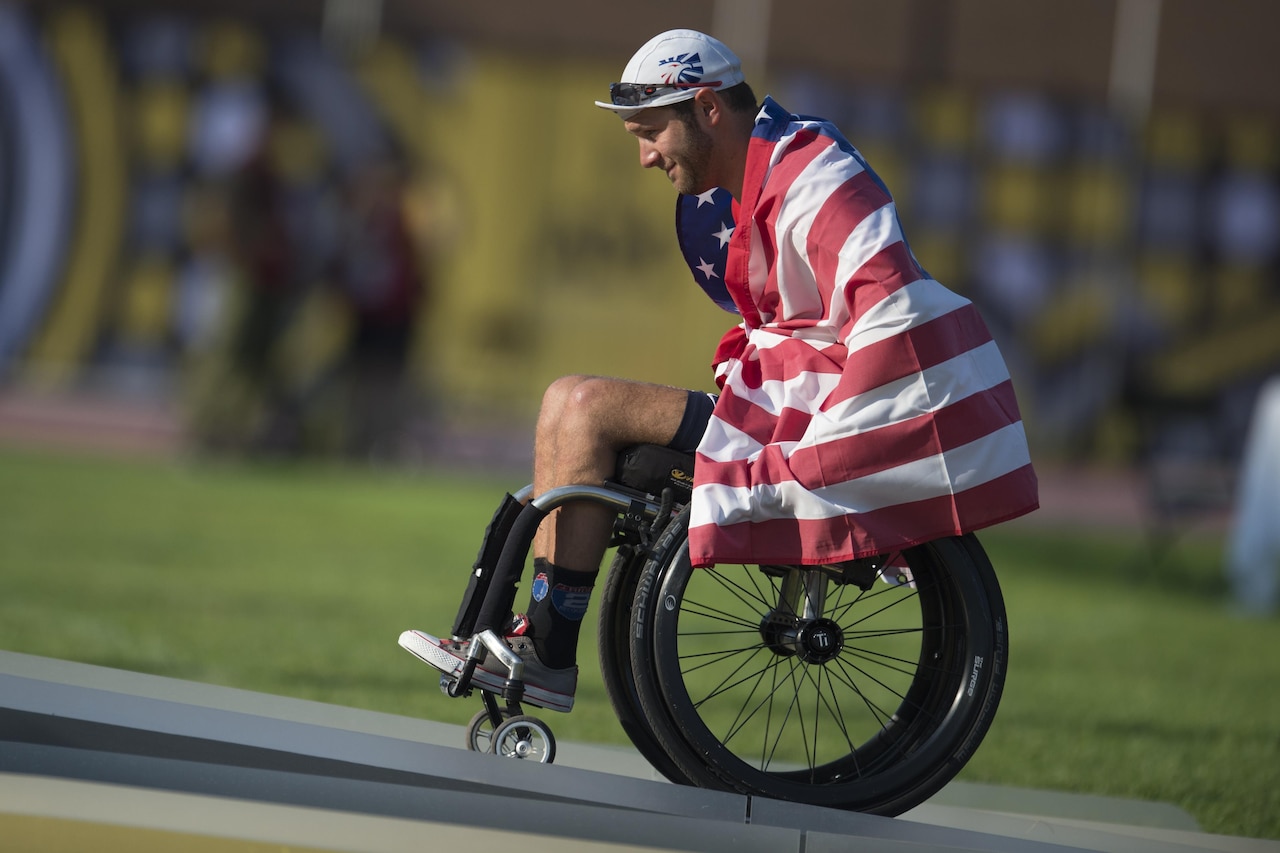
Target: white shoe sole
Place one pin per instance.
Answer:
(427, 648)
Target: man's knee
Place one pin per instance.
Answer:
(579, 406)
(590, 397)
(597, 411)
(556, 396)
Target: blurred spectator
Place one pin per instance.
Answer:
(1253, 550)
(264, 253)
(1244, 209)
(246, 401)
(229, 126)
(381, 280)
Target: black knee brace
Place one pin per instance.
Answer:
(495, 536)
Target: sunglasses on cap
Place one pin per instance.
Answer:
(639, 94)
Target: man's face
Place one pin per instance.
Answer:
(678, 145)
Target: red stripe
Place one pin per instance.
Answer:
(785, 360)
(909, 352)
(921, 437)
(864, 534)
(737, 265)
(731, 345)
(803, 149)
(736, 273)
(889, 270)
(843, 211)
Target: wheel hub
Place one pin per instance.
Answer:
(812, 640)
(820, 641)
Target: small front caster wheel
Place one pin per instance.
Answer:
(524, 737)
(480, 732)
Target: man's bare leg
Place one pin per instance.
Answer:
(584, 422)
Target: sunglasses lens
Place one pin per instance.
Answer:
(632, 94)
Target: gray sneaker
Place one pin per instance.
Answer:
(543, 686)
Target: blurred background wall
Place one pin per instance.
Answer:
(284, 218)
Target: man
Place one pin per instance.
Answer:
(863, 407)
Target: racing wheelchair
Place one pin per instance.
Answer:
(864, 685)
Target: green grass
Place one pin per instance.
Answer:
(1132, 678)
(1128, 677)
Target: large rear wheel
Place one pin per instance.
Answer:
(865, 687)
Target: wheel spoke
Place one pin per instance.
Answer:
(840, 672)
(824, 699)
(748, 597)
(899, 601)
(726, 684)
(714, 657)
(707, 611)
(887, 661)
(838, 715)
(766, 757)
(741, 720)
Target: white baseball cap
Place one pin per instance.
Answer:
(670, 68)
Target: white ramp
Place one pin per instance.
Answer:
(117, 760)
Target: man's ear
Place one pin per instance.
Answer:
(707, 106)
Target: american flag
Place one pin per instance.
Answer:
(864, 407)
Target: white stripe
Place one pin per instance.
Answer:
(797, 287)
(825, 174)
(804, 391)
(723, 442)
(980, 461)
(872, 235)
(819, 338)
(909, 306)
(964, 467)
(720, 505)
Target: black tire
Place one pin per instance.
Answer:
(615, 659)
(872, 707)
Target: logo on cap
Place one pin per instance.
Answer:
(682, 68)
